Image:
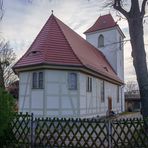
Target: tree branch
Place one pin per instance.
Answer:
(143, 7)
(117, 6)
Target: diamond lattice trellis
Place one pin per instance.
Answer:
(87, 133)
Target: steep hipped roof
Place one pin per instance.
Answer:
(103, 22)
(57, 44)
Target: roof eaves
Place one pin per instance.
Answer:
(31, 44)
(95, 30)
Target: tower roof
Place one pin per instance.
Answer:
(58, 45)
(103, 22)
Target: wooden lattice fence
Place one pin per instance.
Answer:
(87, 133)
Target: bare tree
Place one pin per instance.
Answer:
(135, 17)
(131, 87)
(7, 59)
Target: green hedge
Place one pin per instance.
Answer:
(6, 113)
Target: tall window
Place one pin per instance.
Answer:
(89, 84)
(34, 80)
(101, 41)
(118, 92)
(37, 80)
(120, 43)
(40, 79)
(102, 92)
(72, 81)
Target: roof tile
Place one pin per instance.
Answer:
(103, 22)
(60, 45)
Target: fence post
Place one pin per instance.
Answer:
(109, 131)
(32, 131)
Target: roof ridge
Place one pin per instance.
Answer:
(67, 40)
(94, 49)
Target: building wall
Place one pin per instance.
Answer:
(60, 100)
(90, 102)
(111, 49)
(54, 100)
(57, 100)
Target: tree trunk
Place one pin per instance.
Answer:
(139, 59)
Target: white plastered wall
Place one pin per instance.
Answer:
(112, 51)
(90, 102)
(57, 100)
(60, 101)
(54, 100)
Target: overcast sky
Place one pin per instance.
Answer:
(23, 19)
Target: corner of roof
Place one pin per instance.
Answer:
(100, 18)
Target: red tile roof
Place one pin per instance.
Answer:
(57, 44)
(103, 22)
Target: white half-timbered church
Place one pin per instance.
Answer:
(64, 75)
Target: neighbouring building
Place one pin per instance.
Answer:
(64, 75)
(132, 101)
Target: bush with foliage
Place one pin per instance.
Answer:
(6, 113)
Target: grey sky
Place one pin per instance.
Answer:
(23, 19)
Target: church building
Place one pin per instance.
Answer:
(64, 75)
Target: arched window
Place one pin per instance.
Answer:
(101, 41)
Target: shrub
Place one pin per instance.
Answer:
(6, 113)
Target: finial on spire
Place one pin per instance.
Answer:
(52, 11)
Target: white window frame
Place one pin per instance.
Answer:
(120, 43)
(118, 94)
(72, 81)
(38, 82)
(102, 91)
(89, 84)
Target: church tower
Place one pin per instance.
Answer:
(106, 35)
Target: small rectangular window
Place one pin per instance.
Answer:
(37, 80)
(102, 92)
(89, 84)
(34, 80)
(120, 43)
(72, 81)
(40, 80)
(118, 92)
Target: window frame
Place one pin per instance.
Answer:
(100, 41)
(72, 86)
(40, 80)
(120, 43)
(37, 81)
(89, 84)
(118, 94)
(34, 80)
(102, 92)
